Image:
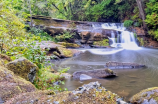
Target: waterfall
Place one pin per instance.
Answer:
(127, 39)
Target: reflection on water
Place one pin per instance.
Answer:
(128, 82)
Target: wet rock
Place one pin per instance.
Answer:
(99, 73)
(85, 77)
(65, 53)
(23, 68)
(86, 94)
(147, 96)
(123, 65)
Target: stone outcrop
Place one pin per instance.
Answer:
(123, 65)
(59, 50)
(147, 96)
(92, 93)
(23, 68)
(99, 73)
(11, 84)
(69, 45)
(65, 53)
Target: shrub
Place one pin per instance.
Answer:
(128, 23)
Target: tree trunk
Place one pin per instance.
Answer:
(30, 12)
(142, 14)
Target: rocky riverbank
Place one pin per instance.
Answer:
(15, 87)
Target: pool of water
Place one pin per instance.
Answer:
(128, 81)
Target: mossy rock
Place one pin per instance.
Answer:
(69, 45)
(56, 54)
(147, 96)
(5, 58)
(65, 52)
(23, 68)
(2, 63)
(11, 85)
(87, 94)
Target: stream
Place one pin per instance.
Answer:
(128, 81)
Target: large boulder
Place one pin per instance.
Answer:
(11, 84)
(99, 73)
(23, 68)
(147, 96)
(92, 93)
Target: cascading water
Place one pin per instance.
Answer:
(127, 39)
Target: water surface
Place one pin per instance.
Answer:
(128, 82)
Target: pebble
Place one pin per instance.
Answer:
(1, 101)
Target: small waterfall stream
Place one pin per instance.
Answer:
(127, 39)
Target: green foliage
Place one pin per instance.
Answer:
(16, 42)
(41, 34)
(45, 79)
(141, 41)
(104, 42)
(12, 33)
(128, 23)
(152, 17)
(64, 70)
(64, 37)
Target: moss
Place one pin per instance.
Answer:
(109, 71)
(11, 85)
(22, 67)
(145, 94)
(65, 52)
(69, 45)
(5, 58)
(104, 42)
(56, 53)
(45, 78)
(92, 96)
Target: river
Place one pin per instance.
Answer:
(128, 81)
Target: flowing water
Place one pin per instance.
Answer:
(127, 39)
(128, 81)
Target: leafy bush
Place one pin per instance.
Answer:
(64, 37)
(128, 23)
(41, 34)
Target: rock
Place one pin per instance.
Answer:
(23, 68)
(99, 73)
(92, 93)
(56, 54)
(123, 65)
(66, 75)
(5, 57)
(1, 101)
(85, 77)
(2, 63)
(65, 53)
(48, 45)
(11, 84)
(147, 96)
(69, 45)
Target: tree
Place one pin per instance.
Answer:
(142, 13)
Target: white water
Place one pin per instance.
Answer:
(127, 39)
